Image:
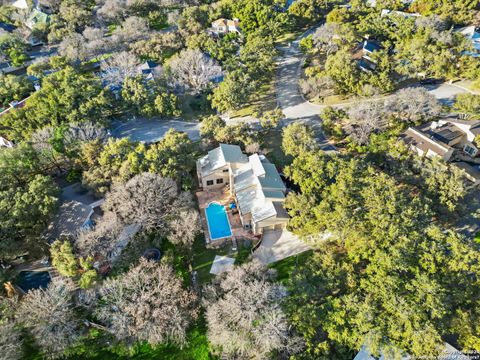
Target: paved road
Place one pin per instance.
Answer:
(289, 99)
(152, 130)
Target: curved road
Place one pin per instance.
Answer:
(289, 99)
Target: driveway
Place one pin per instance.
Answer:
(152, 130)
(289, 99)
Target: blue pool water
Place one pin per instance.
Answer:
(28, 280)
(217, 220)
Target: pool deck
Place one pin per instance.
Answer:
(223, 197)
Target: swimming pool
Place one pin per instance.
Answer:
(28, 280)
(217, 220)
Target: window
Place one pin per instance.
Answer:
(225, 170)
(219, 181)
(470, 150)
(209, 182)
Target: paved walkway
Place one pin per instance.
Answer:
(278, 245)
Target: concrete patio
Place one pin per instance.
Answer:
(278, 245)
(222, 264)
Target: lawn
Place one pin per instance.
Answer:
(203, 257)
(194, 107)
(272, 144)
(263, 99)
(286, 266)
(477, 238)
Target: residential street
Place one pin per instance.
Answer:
(293, 104)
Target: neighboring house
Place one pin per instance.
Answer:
(366, 62)
(253, 181)
(406, 15)
(37, 17)
(5, 143)
(77, 212)
(472, 33)
(450, 139)
(373, 3)
(148, 69)
(442, 138)
(20, 4)
(448, 353)
(225, 26)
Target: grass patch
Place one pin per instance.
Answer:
(272, 143)
(477, 238)
(263, 99)
(197, 348)
(194, 107)
(286, 266)
(203, 257)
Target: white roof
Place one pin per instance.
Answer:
(448, 353)
(221, 156)
(20, 4)
(256, 165)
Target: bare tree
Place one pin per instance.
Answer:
(50, 317)
(244, 315)
(10, 334)
(118, 67)
(102, 238)
(413, 104)
(366, 118)
(193, 70)
(184, 228)
(327, 38)
(95, 41)
(73, 47)
(147, 199)
(132, 29)
(148, 303)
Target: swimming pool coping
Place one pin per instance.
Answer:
(208, 224)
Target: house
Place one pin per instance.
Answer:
(373, 3)
(448, 353)
(406, 15)
(364, 61)
(77, 211)
(450, 139)
(253, 182)
(444, 137)
(37, 17)
(472, 34)
(148, 69)
(224, 26)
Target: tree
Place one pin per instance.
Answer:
(210, 126)
(193, 70)
(11, 341)
(14, 88)
(184, 228)
(50, 317)
(148, 200)
(413, 105)
(118, 67)
(63, 258)
(244, 315)
(66, 96)
(148, 303)
(468, 104)
(327, 38)
(298, 138)
(365, 119)
(343, 71)
(370, 281)
(166, 105)
(271, 119)
(138, 95)
(232, 92)
(27, 200)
